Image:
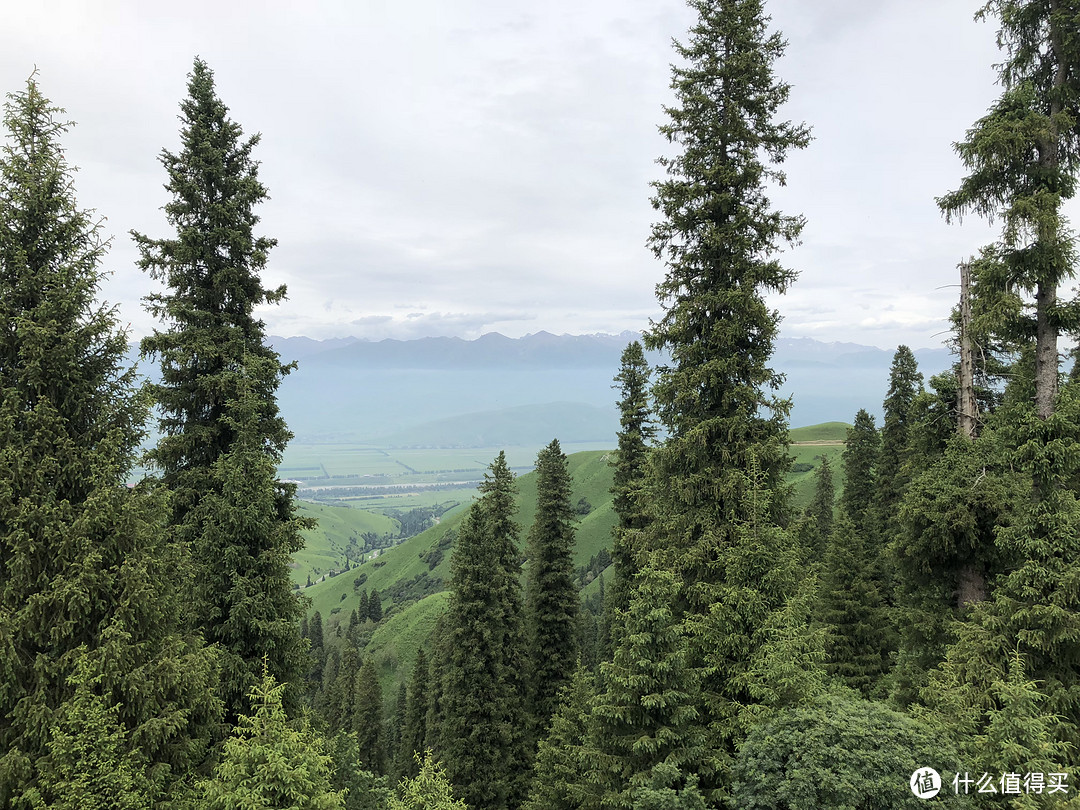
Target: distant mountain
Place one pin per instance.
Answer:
(449, 391)
(518, 425)
(542, 350)
(441, 391)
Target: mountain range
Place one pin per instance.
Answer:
(496, 391)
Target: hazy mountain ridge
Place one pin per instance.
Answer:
(493, 350)
(447, 391)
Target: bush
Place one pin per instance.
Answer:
(840, 752)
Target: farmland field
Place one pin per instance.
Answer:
(378, 478)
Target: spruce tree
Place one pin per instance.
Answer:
(635, 436)
(85, 572)
(341, 693)
(435, 716)
(414, 727)
(560, 777)
(267, 763)
(429, 789)
(726, 451)
(1023, 157)
(891, 471)
(1034, 609)
(819, 512)
(368, 719)
(375, 606)
(217, 398)
(852, 612)
(859, 458)
(482, 731)
(718, 238)
(646, 717)
(552, 602)
(90, 764)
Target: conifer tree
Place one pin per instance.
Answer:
(90, 764)
(268, 764)
(891, 473)
(1034, 609)
(635, 436)
(218, 397)
(341, 695)
(552, 603)
(560, 776)
(414, 727)
(397, 726)
(375, 606)
(719, 238)
(435, 716)
(1023, 157)
(428, 790)
(726, 451)
(483, 725)
(368, 719)
(646, 717)
(819, 512)
(861, 446)
(852, 612)
(840, 752)
(84, 568)
(363, 789)
(951, 514)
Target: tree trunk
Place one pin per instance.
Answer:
(966, 406)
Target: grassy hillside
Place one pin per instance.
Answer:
(326, 543)
(825, 432)
(419, 568)
(808, 446)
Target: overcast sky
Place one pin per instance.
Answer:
(455, 167)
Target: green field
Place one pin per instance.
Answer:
(808, 446)
(377, 478)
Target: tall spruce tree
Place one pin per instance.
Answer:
(861, 446)
(368, 719)
(852, 612)
(726, 451)
(552, 602)
(218, 399)
(635, 436)
(414, 726)
(819, 512)
(891, 470)
(1023, 157)
(560, 778)
(85, 572)
(483, 725)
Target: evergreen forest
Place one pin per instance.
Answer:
(907, 633)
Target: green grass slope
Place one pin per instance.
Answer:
(416, 567)
(825, 432)
(325, 544)
(808, 446)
